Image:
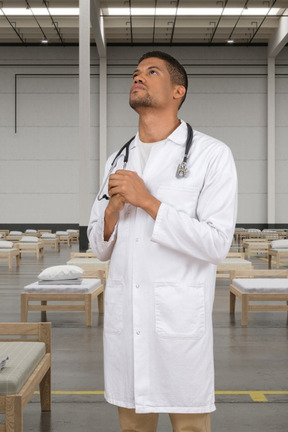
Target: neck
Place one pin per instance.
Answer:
(154, 128)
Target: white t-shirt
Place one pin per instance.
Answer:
(145, 149)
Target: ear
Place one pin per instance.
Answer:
(179, 92)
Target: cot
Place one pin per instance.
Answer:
(18, 380)
(259, 286)
(64, 237)
(233, 261)
(255, 246)
(51, 242)
(7, 255)
(64, 298)
(74, 234)
(89, 263)
(279, 250)
(33, 247)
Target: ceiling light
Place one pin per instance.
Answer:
(191, 11)
(44, 41)
(199, 11)
(41, 11)
(64, 11)
(230, 41)
(17, 11)
(142, 11)
(146, 11)
(260, 11)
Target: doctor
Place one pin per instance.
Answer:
(165, 236)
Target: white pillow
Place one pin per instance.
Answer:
(278, 244)
(48, 235)
(6, 244)
(72, 231)
(61, 272)
(29, 239)
(30, 231)
(16, 233)
(62, 233)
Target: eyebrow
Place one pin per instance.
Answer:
(150, 67)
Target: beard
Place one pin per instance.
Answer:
(136, 102)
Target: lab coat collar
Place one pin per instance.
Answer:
(178, 136)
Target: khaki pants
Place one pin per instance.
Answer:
(132, 422)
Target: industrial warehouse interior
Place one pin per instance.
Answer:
(66, 68)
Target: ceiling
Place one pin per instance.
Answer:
(234, 20)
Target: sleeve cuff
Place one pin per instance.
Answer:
(156, 235)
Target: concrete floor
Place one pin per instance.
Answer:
(252, 359)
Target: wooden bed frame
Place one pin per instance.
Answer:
(12, 405)
(64, 302)
(247, 298)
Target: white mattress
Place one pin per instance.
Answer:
(285, 251)
(235, 262)
(7, 251)
(256, 244)
(87, 261)
(259, 285)
(87, 286)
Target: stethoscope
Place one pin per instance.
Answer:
(181, 169)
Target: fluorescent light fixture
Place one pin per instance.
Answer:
(199, 11)
(44, 41)
(142, 11)
(64, 11)
(260, 11)
(146, 11)
(230, 41)
(17, 11)
(41, 11)
(191, 11)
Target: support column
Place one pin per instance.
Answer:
(84, 120)
(102, 118)
(97, 22)
(271, 134)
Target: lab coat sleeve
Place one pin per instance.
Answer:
(95, 232)
(208, 236)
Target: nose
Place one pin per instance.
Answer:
(138, 78)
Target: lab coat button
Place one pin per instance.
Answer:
(137, 286)
(138, 332)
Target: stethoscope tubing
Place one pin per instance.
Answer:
(181, 171)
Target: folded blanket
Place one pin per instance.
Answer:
(60, 282)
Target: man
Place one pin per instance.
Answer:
(165, 235)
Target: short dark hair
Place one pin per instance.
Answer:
(176, 70)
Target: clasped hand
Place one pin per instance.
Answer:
(127, 187)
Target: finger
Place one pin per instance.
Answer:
(115, 190)
(123, 172)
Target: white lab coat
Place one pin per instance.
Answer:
(158, 341)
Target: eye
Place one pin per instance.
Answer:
(153, 72)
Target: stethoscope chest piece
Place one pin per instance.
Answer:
(181, 170)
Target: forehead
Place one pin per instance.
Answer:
(153, 61)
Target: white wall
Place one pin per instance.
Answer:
(39, 177)
(39, 180)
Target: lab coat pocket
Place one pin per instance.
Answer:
(113, 307)
(182, 198)
(179, 310)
